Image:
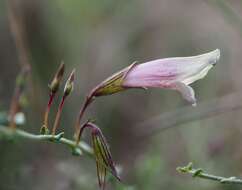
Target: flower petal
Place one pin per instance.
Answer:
(160, 73)
(186, 91)
(172, 73)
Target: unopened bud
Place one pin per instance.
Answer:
(67, 90)
(54, 85)
(69, 86)
(104, 161)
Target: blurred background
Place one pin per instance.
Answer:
(151, 132)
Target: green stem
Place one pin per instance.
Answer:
(199, 173)
(82, 147)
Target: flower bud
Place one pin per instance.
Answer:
(67, 90)
(104, 161)
(69, 84)
(54, 85)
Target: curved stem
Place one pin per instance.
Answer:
(79, 133)
(87, 102)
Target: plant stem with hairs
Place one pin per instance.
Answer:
(201, 174)
(78, 149)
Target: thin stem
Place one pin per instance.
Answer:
(80, 148)
(47, 111)
(87, 102)
(57, 119)
(199, 173)
(79, 134)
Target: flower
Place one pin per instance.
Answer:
(172, 73)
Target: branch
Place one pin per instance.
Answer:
(199, 173)
(156, 124)
(18, 30)
(79, 149)
(230, 16)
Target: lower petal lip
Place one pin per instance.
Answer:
(216, 56)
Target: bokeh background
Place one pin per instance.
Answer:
(99, 38)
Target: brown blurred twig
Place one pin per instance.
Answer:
(230, 16)
(228, 103)
(18, 32)
(17, 29)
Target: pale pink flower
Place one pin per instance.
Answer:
(173, 73)
(170, 73)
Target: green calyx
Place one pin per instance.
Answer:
(114, 83)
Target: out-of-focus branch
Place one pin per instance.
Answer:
(227, 12)
(18, 32)
(188, 114)
(15, 105)
(199, 173)
(77, 149)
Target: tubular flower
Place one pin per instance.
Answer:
(172, 73)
